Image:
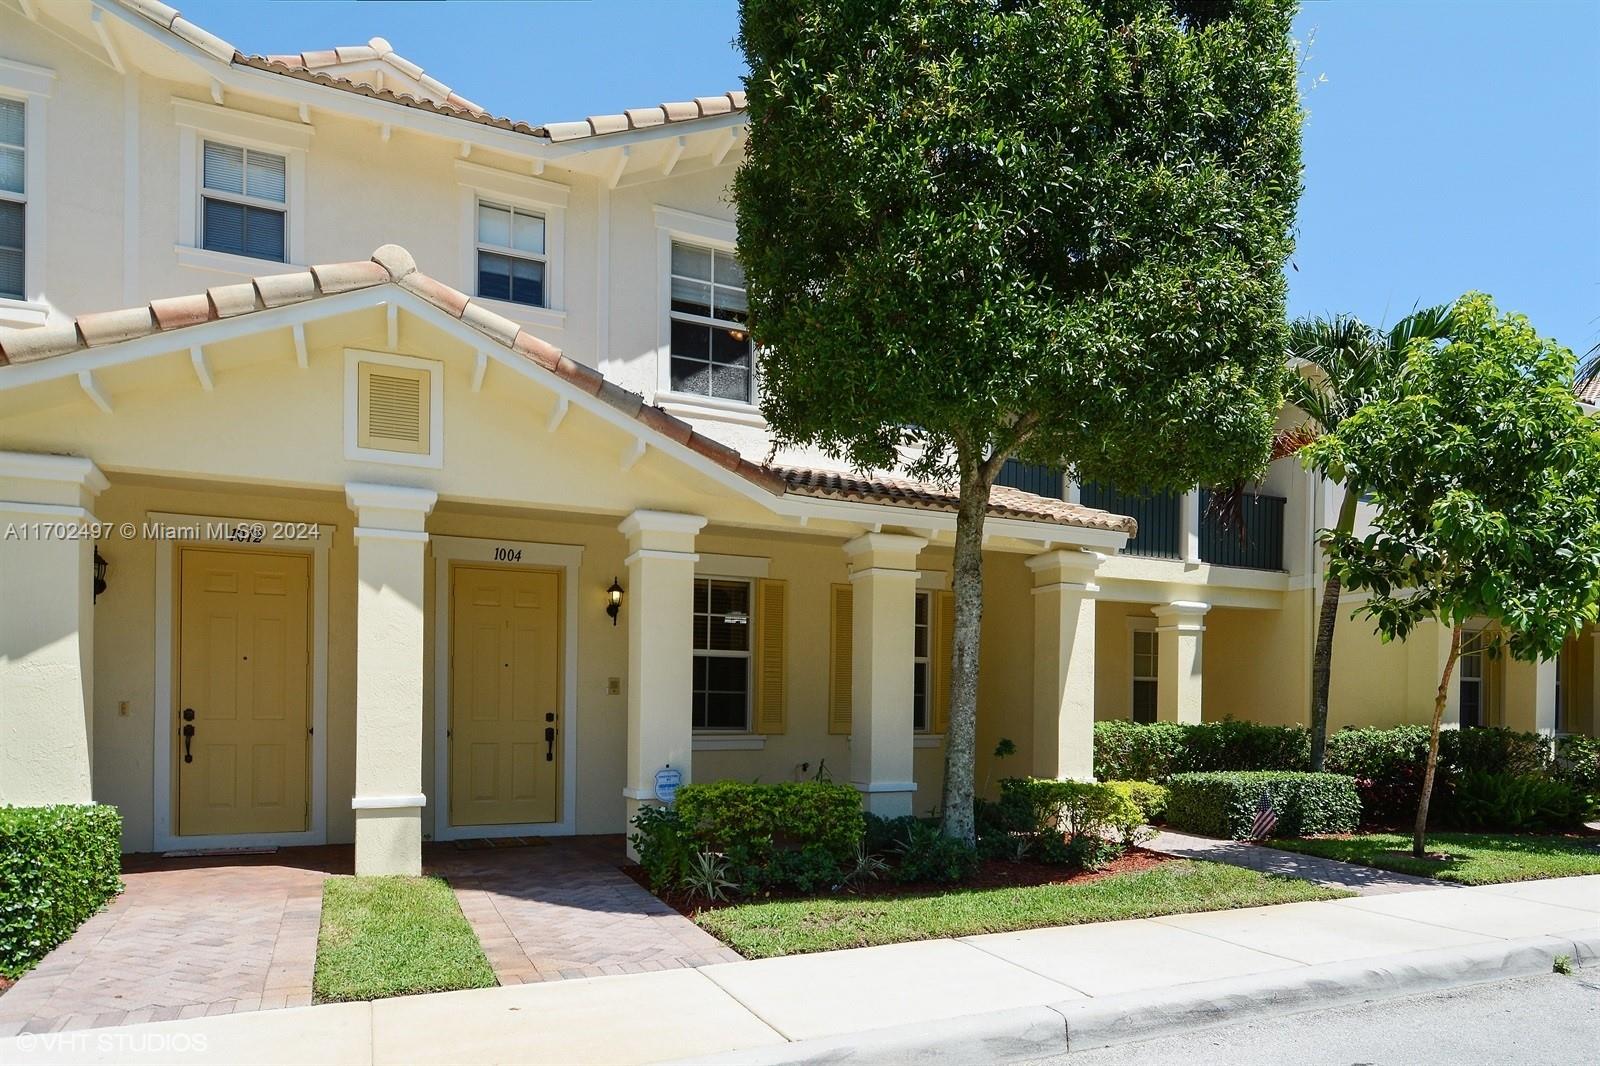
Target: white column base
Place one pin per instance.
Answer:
(887, 799)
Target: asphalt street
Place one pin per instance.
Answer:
(1548, 1020)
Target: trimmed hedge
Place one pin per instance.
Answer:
(1223, 803)
(58, 866)
(799, 833)
(1149, 797)
(1386, 763)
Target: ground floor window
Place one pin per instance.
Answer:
(1145, 661)
(721, 655)
(919, 661)
(1472, 681)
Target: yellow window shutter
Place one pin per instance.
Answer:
(772, 628)
(841, 647)
(944, 645)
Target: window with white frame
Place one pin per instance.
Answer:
(721, 655)
(711, 350)
(919, 662)
(244, 201)
(13, 198)
(1146, 652)
(512, 262)
(1474, 707)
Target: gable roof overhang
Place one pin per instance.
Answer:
(794, 498)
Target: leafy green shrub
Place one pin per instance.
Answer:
(664, 846)
(1149, 797)
(1577, 762)
(1223, 803)
(925, 854)
(1132, 751)
(58, 866)
(1517, 803)
(1078, 824)
(789, 834)
(1387, 765)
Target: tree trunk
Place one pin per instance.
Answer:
(1327, 622)
(961, 735)
(1419, 837)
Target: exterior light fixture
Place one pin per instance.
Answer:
(99, 573)
(614, 600)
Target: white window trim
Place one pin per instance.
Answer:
(567, 558)
(720, 235)
(1136, 626)
(434, 456)
(32, 85)
(535, 195)
(927, 664)
(222, 532)
(198, 123)
(748, 655)
(1474, 637)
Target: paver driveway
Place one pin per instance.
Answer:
(199, 936)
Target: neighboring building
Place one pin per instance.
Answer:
(474, 534)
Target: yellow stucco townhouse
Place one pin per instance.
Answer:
(374, 468)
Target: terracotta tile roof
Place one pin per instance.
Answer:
(440, 99)
(392, 264)
(1588, 389)
(1004, 502)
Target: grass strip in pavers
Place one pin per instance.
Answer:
(1464, 858)
(795, 926)
(394, 936)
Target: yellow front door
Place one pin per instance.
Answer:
(505, 696)
(244, 657)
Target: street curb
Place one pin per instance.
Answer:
(1041, 1031)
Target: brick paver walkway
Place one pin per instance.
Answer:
(200, 936)
(566, 910)
(1362, 880)
(187, 937)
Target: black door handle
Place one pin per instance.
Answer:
(549, 743)
(188, 737)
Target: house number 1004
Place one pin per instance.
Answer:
(508, 555)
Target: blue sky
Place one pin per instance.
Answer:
(1450, 144)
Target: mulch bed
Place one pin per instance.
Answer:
(5, 983)
(993, 873)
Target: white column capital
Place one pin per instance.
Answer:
(1181, 616)
(382, 509)
(64, 469)
(1065, 570)
(646, 521)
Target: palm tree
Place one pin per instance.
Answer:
(1341, 365)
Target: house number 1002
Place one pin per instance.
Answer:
(508, 555)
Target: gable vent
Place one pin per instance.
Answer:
(393, 409)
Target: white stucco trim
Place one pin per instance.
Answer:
(388, 803)
(237, 533)
(564, 557)
(547, 199)
(433, 458)
(197, 122)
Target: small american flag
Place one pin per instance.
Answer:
(1265, 821)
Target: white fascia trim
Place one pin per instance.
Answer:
(73, 469)
(388, 803)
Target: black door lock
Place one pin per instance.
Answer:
(550, 743)
(188, 738)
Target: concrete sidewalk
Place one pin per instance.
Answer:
(982, 997)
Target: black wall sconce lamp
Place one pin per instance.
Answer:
(614, 600)
(99, 573)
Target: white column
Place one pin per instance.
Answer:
(1063, 663)
(391, 545)
(46, 628)
(1530, 694)
(1180, 626)
(658, 601)
(883, 579)
(1189, 526)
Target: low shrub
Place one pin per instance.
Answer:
(1223, 803)
(920, 852)
(665, 849)
(1576, 760)
(1517, 803)
(1149, 797)
(1071, 823)
(800, 835)
(58, 866)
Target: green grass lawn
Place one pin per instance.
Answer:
(1473, 858)
(790, 927)
(393, 936)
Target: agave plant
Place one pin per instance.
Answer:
(706, 877)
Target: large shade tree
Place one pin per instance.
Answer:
(1485, 478)
(1342, 364)
(1050, 229)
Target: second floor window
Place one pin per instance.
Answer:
(711, 350)
(244, 202)
(13, 199)
(511, 255)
